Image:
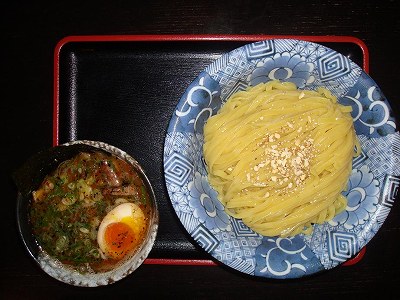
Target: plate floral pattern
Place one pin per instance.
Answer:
(373, 184)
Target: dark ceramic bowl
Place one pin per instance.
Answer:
(29, 177)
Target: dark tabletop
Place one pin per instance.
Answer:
(30, 35)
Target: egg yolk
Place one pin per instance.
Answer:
(120, 239)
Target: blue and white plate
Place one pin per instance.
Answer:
(373, 183)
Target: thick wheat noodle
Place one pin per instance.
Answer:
(280, 157)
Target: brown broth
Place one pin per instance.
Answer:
(70, 203)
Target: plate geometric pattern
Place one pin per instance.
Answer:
(373, 186)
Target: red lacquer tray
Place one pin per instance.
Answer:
(123, 89)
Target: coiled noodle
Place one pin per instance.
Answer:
(280, 157)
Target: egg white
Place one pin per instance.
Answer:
(128, 213)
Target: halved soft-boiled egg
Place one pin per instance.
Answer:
(121, 230)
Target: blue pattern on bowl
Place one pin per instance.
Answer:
(373, 184)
